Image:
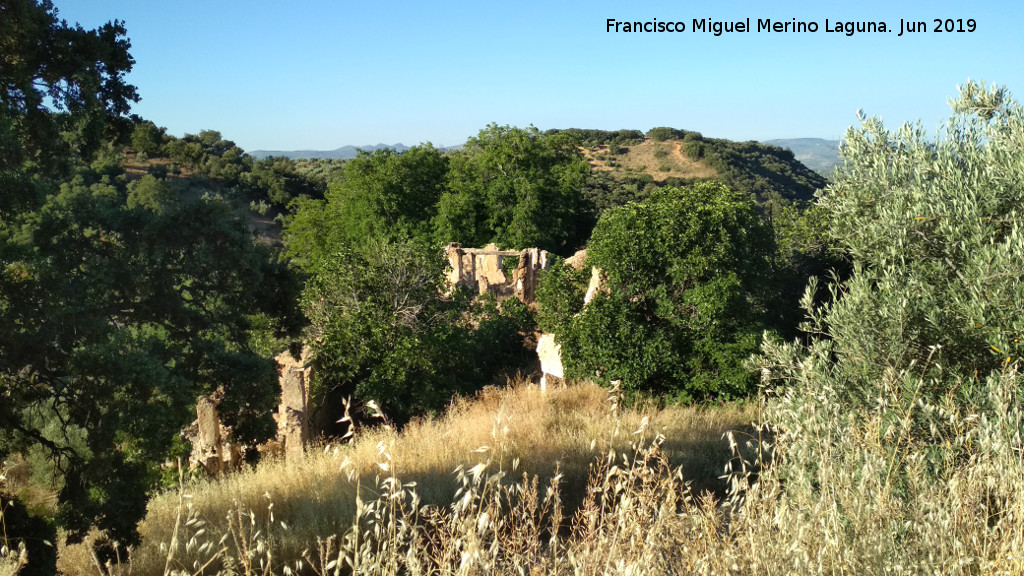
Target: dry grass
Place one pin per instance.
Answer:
(661, 160)
(518, 430)
(867, 491)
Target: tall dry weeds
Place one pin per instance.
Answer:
(880, 500)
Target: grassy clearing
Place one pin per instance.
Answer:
(876, 501)
(661, 160)
(518, 432)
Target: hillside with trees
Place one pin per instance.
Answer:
(143, 270)
(871, 324)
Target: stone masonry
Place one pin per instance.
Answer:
(211, 447)
(293, 412)
(482, 270)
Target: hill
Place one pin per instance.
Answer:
(343, 153)
(662, 160)
(625, 165)
(818, 154)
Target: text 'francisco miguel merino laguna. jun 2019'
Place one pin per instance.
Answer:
(767, 25)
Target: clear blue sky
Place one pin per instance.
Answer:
(319, 74)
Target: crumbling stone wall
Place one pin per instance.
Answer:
(550, 354)
(293, 412)
(212, 448)
(482, 270)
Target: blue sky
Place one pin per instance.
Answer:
(319, 74)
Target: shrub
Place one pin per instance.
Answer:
(902, 419)
(680, 314)
(157, 170)
(663, 133)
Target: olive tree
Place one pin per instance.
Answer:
(902, 412)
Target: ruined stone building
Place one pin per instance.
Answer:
(483, 270)
(212, 446)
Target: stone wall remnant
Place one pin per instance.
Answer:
(598, 283)
(577, 260)
(482, 270)
(550, 354)
(293, 412)
(211, 445)
(548, 351)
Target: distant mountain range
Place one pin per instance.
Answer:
(819, 155)
(343, 153)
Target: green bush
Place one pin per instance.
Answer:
(663, 133)
(158, 170)
(933, 228)
(909, 390)
(384, 330)
(682, 312)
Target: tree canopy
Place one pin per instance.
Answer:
(682, 309)
(119, 304)
(383, 324)
(908, 381)
(933, 230)
(63, 95)
(515, 187)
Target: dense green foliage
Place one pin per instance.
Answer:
(273, 181)
(933, 232)
(119, 309)
(682, 310)
(382, 326)
(603, 191)
(924, 337)
(384, 330)
(765, 171)
(663, 133)
(279, 181)
(592, 138)
(387, 194)
(382, 195)
(803, 250)
(119, 304)
(515, 187)
(62, 95)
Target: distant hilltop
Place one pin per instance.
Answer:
(343, 153)
(818, 154)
